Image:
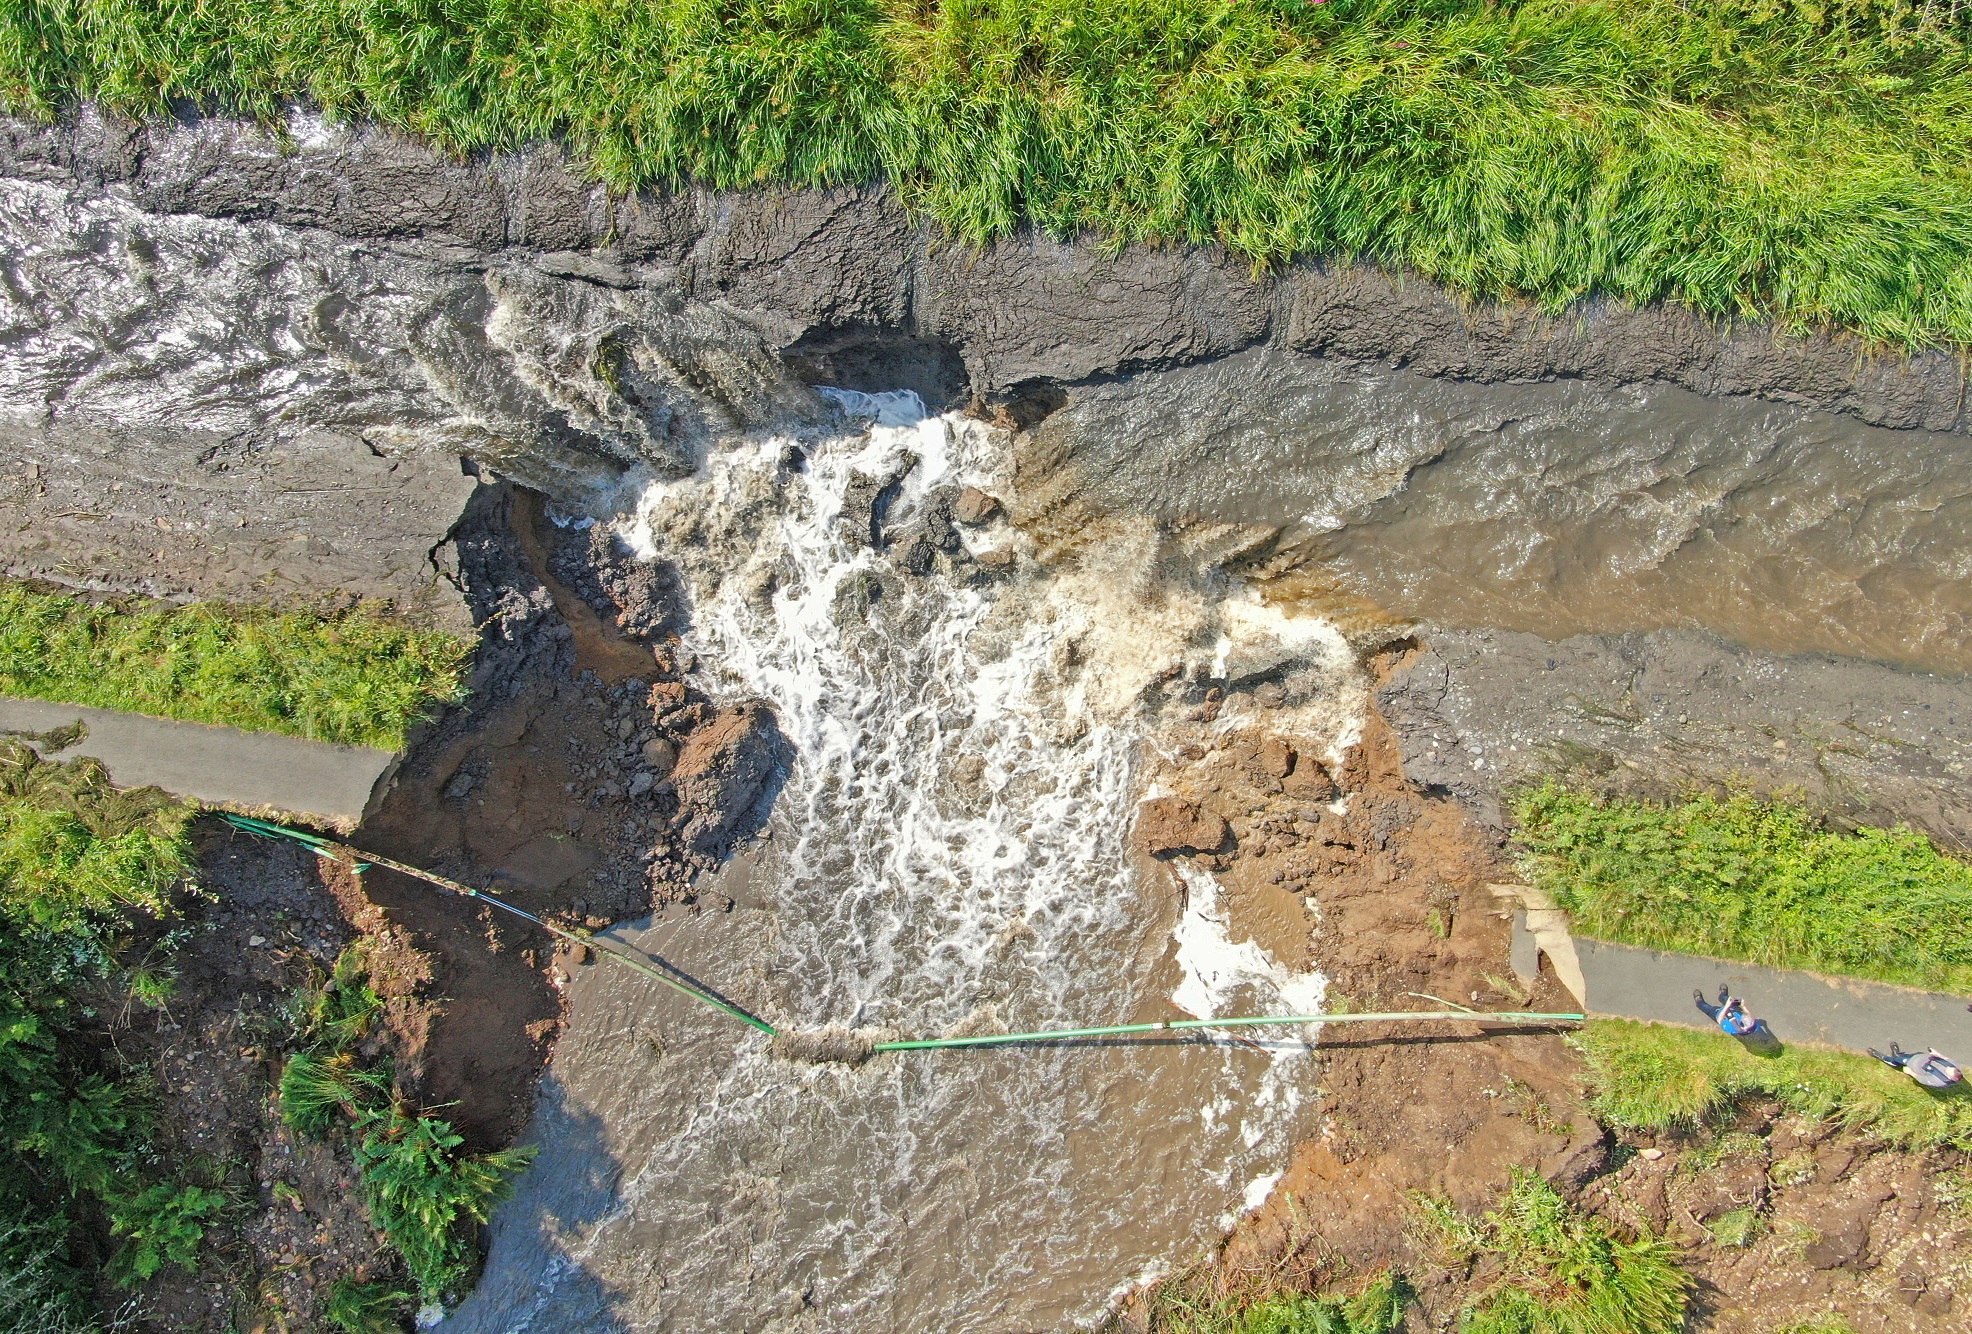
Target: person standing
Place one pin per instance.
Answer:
(1730, 1014)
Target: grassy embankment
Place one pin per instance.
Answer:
(1766, 882)
(92, 885)
(1553, 1270)
(1807, 159)
(80, 865)
(422, 1193)
(356, 676)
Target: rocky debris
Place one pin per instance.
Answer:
(1172, 826)
(660, 756)
(974, 507)
(723, 771)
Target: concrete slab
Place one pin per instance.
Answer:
(1627, 982)
(217, 764)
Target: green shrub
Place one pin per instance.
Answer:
(367, 1308)
(1744, 878)
(1562, 1271)
(40, 1292)
(1802, 156)
(79, 863)
(164, 1224)
(355, 676)
(1657, 1077)
(428, 1197)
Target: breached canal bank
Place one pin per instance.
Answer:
(655, 377)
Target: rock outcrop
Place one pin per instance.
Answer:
(725, 774)
(1172, 826)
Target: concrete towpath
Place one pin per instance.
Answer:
(1630, 982)
(1636, 983)
(216, 764)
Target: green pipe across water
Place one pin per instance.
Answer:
(1249, 1021)
(360, 861)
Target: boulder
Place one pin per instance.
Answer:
(723, 772)
(1172, 826)
(660, 756)
(974, 506)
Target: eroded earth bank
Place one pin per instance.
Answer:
(1124, 637)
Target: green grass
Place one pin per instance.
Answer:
(355, 676)
(1760, 881)
(1190, 1304)
(1561, 1271)
(1802, 157)
(1652, 1077)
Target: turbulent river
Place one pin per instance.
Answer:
(949, 854)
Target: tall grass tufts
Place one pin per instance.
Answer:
(1652, 1077)
(1801, 157)
(1561, 1271)
(1743, 878)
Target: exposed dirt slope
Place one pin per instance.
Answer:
(1875, 1233)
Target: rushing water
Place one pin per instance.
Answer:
(949, 855)
(1560, 508)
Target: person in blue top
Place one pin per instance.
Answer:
(1729, 1014)
(1929, 1068)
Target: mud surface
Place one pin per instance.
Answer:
(214, 1051)
(1478, 711)
(1847, 1225)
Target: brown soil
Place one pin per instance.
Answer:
(1404, 921)
(277, 920)
(546, 788)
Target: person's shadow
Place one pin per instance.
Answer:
(1761, 1042)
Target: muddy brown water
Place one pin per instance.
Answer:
(948, 853)
(1560, 508)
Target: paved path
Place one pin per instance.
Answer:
(218, 764)
(1800, 1007)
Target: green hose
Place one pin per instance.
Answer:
(1251, 1021)
(858, 1048)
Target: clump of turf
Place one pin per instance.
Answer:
(1655, 1077)
(1801, 157)
(1740, 877)
(356, 676)
(1561, 1271)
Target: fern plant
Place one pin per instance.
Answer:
(366, 1308)
(427, 1196)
